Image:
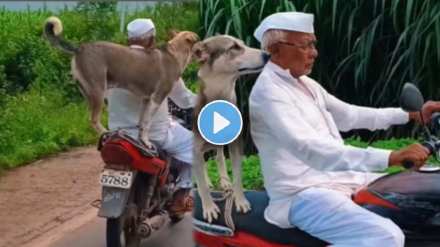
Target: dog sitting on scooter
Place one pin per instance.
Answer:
(223, 59)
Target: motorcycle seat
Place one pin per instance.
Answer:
(254, 223)
(121, 134)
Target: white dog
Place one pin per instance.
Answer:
(223, 59)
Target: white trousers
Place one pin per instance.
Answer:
(179, 145)
(333, 217)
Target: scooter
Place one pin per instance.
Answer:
(410, 198)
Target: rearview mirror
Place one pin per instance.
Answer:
(411, 99)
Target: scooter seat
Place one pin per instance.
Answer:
(254, 223)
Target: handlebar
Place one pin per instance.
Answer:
(435, 122)
(183, 116)
(432, 143)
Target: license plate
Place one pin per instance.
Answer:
(118, 179)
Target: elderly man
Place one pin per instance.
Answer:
(141, 33)
(166, 133)
(308, 172)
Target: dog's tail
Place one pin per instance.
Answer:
(53, 28)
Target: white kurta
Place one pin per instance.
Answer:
(299, 143)
(124, 110)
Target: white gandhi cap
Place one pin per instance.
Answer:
(139, 27)
(290, 21)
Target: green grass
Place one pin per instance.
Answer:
(252, 177)
(36, 123)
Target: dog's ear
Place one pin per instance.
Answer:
(192, 38)
(172, 33)
(200, 53)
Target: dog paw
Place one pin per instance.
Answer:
(242, 205)
(225, 183)
(146, 142)
(99, 128)
(210, 211)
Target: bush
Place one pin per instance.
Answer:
(39, 123)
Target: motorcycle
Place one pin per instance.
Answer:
(410, 198)
(138, 184)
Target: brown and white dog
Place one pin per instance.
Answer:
(223, 59)
(149, 74)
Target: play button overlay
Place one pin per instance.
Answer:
(220, 122)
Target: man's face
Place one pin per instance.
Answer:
(296, 52)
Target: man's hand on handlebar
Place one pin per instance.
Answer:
(416, 153)
(428, 109)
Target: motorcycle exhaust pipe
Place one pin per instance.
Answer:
(150, 225)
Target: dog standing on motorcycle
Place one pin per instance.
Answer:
(166, 133)
(309, 172)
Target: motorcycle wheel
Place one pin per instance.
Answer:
(121, 232)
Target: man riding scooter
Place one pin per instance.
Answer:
(309, 173)
(165, 133)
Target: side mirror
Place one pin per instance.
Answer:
(411, 100)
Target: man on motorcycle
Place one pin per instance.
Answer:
(165, 133)
(309, 173)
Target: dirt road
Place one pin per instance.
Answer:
(40, 197)
(47, 204)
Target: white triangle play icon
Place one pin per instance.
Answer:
(219, 122)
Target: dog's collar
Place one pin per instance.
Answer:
(137, 47)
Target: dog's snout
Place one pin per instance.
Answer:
(265, 56)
